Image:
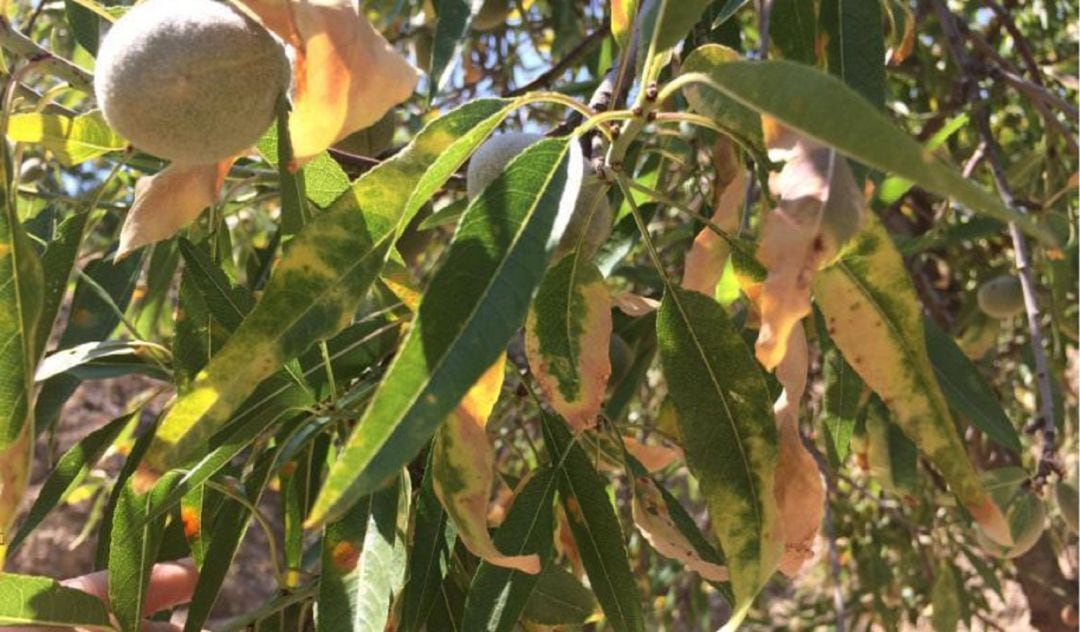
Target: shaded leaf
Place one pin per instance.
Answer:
(872, 313)
(57, 263)
(68, 473)
(793, 30)
(807, 101)
(474, 304)
(558, 599)
(966, 390)
(567, 335)
(429, 558)
(453, 18)
(596, 529)
(728, 432)
(497, 596)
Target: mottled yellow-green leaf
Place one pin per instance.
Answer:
(872, 313)
(567, 335)
(728, 432)
(463, 464)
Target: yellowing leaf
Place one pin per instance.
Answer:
(622, 20)
(72, 140)
(346, 75)
(653, 520)
(567, 335)
(707, 256)
(165, 202)
(820, 208)
(462, 464)
(872, 313)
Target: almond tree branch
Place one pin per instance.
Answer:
(1044, 421)
(571, 58)
(15, 42)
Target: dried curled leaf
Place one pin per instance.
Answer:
(567, 336)
(820, 208)
(346, 75)
(707, 256)
(462, 464)
(798, 489)
(165, 202)
(656, 525)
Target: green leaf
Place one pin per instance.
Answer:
(742, 123)
(452, 21)
(68, 473)
(793, 30)
(104, 543)
(558, 599)
(497, 595)
(85, 24)
(93, 316)
(321, 180)
(945, 598)
(873, 315)
(360, 569)
(72, 140)
(318, 284)
(843, 395)
(596, 528)
(567, 335)
(966, 390)
(429, 558)
(230, 525)
(134, 544)
(57, 262)
(728, 432)
(21, 281)
(855, 46)
(474, 304)
(809, 101)
(40, 601)
(294, 209)
(108, 358)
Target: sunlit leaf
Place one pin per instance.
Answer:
(463, 464)
(346, 75)
(169, 200)
(474, 304)
(819, 209)
(872, 313)
(72, 140)
(321, 279)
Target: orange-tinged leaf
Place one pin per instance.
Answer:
(346, 75)
(707, 256)
(800, 495)
(820, 208)
(653, 457)
(462, 463)
(653, 520)
(635, 305)
(567, 337)
(166, 202)
(622, 20)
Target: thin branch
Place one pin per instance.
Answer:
(549, 76)
(1044, 422)
(15, 42)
